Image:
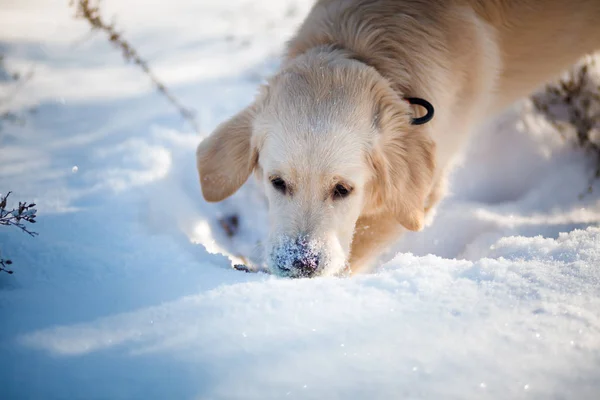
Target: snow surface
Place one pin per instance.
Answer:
(126, 293)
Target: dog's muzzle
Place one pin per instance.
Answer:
(297, 257)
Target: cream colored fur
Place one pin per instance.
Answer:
(334, 113)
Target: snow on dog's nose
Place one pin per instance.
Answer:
(296, 257)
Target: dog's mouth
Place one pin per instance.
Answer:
(303, 257)
(297, 257)
(289, 257)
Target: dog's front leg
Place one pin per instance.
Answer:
(372, 236)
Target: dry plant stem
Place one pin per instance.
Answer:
(90, 11)
(572, 105)
(4, 266)
(16, 81)
(16, 217)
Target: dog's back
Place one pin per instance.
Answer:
(524, 42)
(538, 39)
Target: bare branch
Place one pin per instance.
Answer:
(89, 10)
(16, 81)
(24, 213)
(4, 263)
(17, 216)
(572, 105)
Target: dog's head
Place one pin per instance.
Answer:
(330, 141)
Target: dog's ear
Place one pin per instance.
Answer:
(403, 160)
(226, 158)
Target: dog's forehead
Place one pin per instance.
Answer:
(334, 152)
(310, 146)
(317, 121)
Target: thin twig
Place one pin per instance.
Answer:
(4, 266)
(16, 217)
(572, 105)
(20, 82)
(90, 11)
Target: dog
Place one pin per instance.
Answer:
(353, 138)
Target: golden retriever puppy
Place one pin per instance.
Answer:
(344, 139)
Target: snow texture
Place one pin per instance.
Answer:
(128, 291)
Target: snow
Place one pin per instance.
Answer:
(126, 293)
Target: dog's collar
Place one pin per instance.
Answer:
(417, 101)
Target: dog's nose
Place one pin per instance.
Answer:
(297, 258)
(306, 261)
(306, 267)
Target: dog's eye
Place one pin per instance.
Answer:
(279, 185)
(340, 191)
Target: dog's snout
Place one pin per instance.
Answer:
(299, 258)
(306, 266)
